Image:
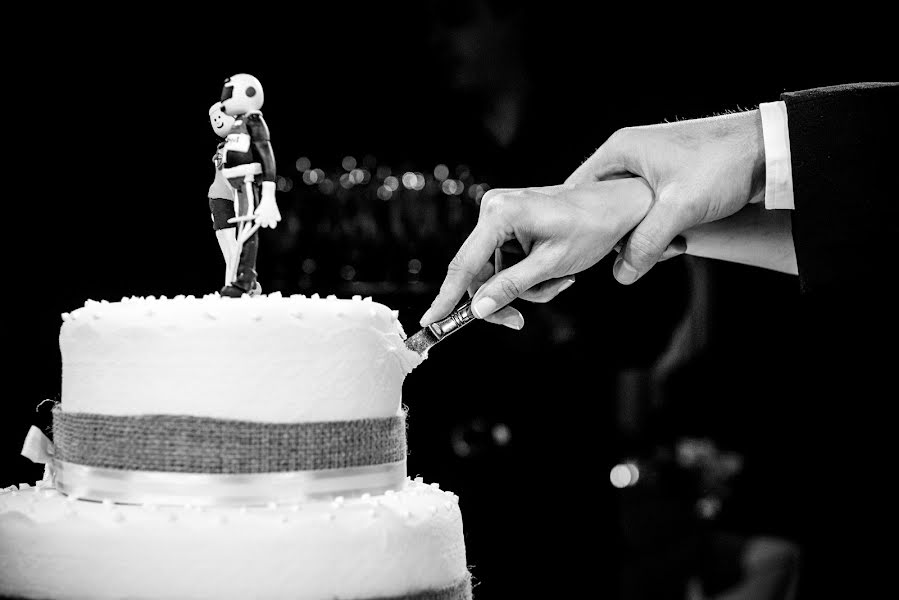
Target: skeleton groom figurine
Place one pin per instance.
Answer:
(249, 166)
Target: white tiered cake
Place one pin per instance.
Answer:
(231, 448)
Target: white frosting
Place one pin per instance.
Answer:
(398, 543)
(268, 359)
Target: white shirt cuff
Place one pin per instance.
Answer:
(778, 170)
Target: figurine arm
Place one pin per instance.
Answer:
(267, 213)
(258, 131)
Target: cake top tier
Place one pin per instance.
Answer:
(269, 358)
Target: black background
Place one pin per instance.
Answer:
(106, 119)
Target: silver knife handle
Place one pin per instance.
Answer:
(459, 318)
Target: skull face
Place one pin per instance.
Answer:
(241, 94)
(220, 120)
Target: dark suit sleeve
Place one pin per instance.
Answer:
(843, 143)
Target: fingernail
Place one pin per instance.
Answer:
(426, 318)
(483, 307)
(513, 321)
(516, 322)
(568, 283)
(625, 273)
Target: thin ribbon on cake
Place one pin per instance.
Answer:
(174, 459)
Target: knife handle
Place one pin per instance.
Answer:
(459, 318)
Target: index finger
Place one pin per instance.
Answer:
(474, 253)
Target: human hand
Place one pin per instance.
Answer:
(562, 229)
(699, 170)
(267, 213)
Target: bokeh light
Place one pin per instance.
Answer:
(441, 172)
(501, 434)
(347, 272)
(348, 163)
(359, 176)
(309, 266)
(284, 184)
(624, 475)
(326, 187)
(303, 164)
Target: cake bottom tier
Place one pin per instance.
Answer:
(406, 544)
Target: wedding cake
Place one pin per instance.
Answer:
(230, 448)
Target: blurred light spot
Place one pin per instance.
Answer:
(310, 177)
(326, 187)
(345, 181)
(303, 164)
(384, 192)
(309, 266)
(441, 172)
(383, 172)
(414, 266)
(357, 175)
(480, 191)
(347, 272)
(731, 463)
(452, 187)
(409, 180)
(285, 184)
(419, 181)
(708, 507)
(461, 448)
(448, 187)
(501, 434)
(624, 475)
(635, 472)
(293, 226)
(348, 163)
(392, 183)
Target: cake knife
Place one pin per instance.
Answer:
(422, 341)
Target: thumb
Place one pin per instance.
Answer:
(507, 285)
(649, 240)
(616, 158)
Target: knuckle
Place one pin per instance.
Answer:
(510, 287)
(458, 266)
(492, 204)
(619, 136)
(643, 246)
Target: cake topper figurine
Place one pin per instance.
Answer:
(248, 164)
(222, 197)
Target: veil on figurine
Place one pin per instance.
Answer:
(246, 163)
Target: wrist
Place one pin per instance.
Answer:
(755, 148)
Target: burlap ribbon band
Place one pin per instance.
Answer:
(182, 444)
(174, 459)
